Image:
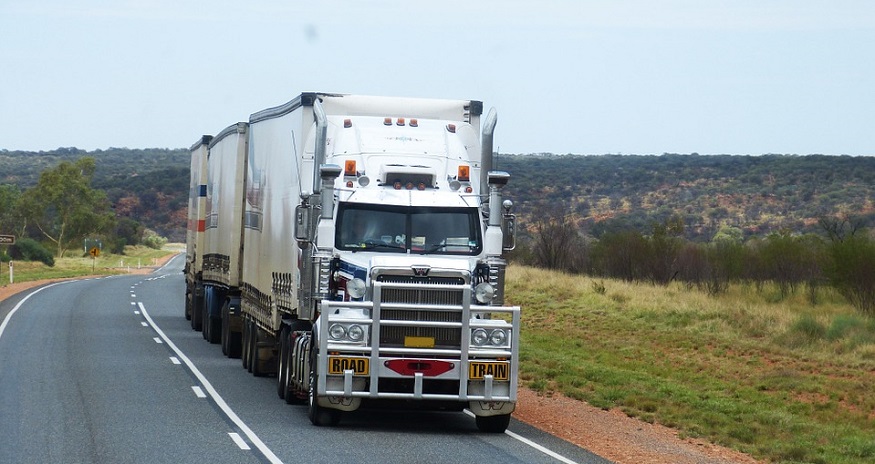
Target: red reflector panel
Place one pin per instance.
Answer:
(428, 368)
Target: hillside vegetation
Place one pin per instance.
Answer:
(757, 194)
(149, 186)
(783, 379)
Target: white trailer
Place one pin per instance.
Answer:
(194, 234)
(223, 237)
(372, 268)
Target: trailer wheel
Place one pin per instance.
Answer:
(244, 345)
(319, 416)
(187, 304)
(226, 329)
(493, 424)
(230, 340)
(197, 312)
(213, 329)
(257, 364)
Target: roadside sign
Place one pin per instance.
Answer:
(94, 252)
(7, 240)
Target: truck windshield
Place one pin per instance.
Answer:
(397, 229)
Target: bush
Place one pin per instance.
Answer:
(152, 240)
(27, 249)
(852, 271)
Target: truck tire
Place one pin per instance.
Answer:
(230, 340)
(187, 304)
(282, 372)
(197, 312)
(257, 364)
(493, 424)
(319, 416)
(244, 344)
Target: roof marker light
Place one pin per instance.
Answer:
(464, 174)
(400, 121)
(387, 121)
(451, 128)
(414, 122)
(421, 186)
(347, 123)
(397, 185)
(349, 184)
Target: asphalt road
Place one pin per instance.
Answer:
(108, 371)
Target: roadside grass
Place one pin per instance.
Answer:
(78, 264)
(784, 380)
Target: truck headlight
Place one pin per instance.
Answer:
(337, 332)
(356, 288)
(479, 337)
(490, 338)
(484, 292)
(347, 333)
(498, 337)
(355, 333)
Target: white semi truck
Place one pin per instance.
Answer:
(353, 246)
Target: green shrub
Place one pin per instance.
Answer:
(28, 249)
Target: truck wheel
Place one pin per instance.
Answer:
(282, 372)
(319, 416)
(256, 363)
(493, 424)
(244, 344)
(187, 304)
(197, 312)
(226, 329)
(213, 329)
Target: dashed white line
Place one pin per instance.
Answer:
(199, 392)
(157, 340)
(144, 324)
(175, 360)
(238, 440)
(220, 402)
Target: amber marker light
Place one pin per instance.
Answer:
(464, 173)
(349, 168)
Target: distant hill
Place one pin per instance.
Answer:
(758, 194)
(147, 185)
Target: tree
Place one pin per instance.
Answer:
(64, 207)
(9, 195)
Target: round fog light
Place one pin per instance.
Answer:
(356, 288)
(479, 337)
(355, 333)
(498, 337)
(337, 332)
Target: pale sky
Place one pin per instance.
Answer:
(566, 76)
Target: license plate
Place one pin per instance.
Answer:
(498, 370)
(338, 364)
(418, 342)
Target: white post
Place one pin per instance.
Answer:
(11, 278)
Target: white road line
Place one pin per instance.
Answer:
(157, 340)
(198, 392)
(220, 402)
(137, 313)
(133, 296)
(133, 303)
(144, 324)
(175, 360)
(238, 440)
(15, 309)
(534, 445)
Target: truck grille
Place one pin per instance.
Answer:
(422, 295)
